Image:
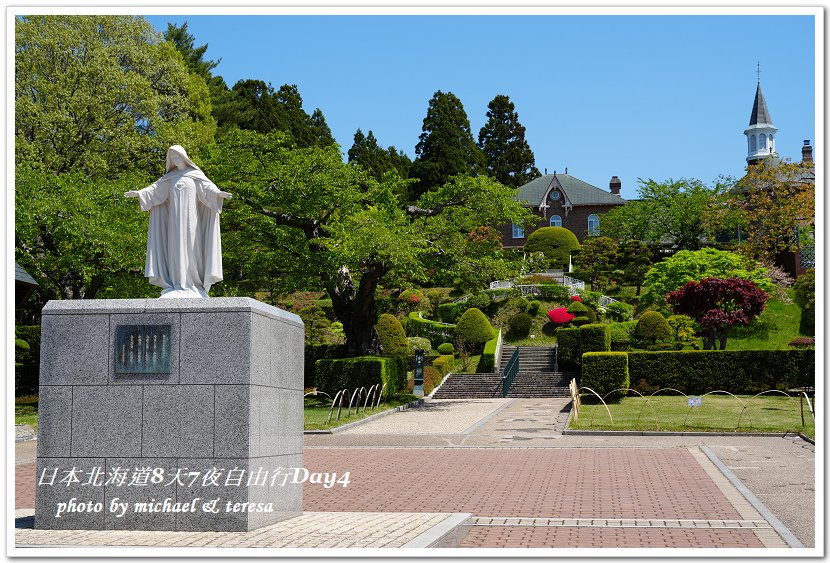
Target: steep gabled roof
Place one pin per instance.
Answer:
(760, 113)
(577, 191)
(22, 276)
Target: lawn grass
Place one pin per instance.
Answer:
(472, 366)
(25, 410)
(772, 330)
(316, 411)
(718, 413)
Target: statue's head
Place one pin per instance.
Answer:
(177, 159)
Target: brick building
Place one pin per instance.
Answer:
(562, 200)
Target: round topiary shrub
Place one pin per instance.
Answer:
(651, 327)
(579, 321)
(580, 309)
(446, 349)
(473, 327)
(533, 308)
(392, 337)
(557, 244)
(419, 343)
(520, 325)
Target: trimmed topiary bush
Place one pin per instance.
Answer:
(651, 327)
(557, 244)
(436, 332)
(446, 349)
(619, 311)
(419, 343)
(579, 321)
(392, 336)
(579, 309)
(444, 364)
(560, 316)
(568, 341)
(604, 372)
(474, 328)
(595, 338)
(521, 304)
(533, 308)
(520, 325)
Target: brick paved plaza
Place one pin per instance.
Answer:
(501, 474)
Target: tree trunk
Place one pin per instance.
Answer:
(357, 310)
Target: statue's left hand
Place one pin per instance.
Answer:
(225, 195)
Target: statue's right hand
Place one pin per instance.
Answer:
(131, 193)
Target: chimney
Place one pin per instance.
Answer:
(615, 186)
(806, 152)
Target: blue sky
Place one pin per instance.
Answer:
(637, 96)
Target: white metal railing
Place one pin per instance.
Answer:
(498, 354)
(421, 316)
(573, 282)
(529, 289)
(501, 284)
(604, 300)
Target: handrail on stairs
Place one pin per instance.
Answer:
(510, 371)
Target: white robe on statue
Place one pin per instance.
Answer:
(184, 249)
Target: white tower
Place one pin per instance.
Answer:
(760, 135)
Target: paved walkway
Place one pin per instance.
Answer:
(523, 484)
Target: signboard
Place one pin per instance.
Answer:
(418, 384)
(142, 349)
(694, 401)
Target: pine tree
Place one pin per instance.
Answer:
(375, 159)
(502, 140)
(446, 146)
(193, 56)
(320, 129)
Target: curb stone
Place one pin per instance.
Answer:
(399, 408)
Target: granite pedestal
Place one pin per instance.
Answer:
(166, 405)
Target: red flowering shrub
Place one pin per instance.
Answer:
(802, 341)
(576, 298)
(560, 316)
(718, 305)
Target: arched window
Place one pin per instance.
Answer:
(753, 146)
(593, 224)
(555, 221)
(518, 232)
(762, 142)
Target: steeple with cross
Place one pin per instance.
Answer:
(760, 134)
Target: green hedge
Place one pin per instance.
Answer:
(444, 364)
(451, 312)
(568, 341)
(554, 292)
(736, 371)
(605, 371)
(27, 375)
(321, 352)
(436, 332)
(595, 338)
(364, 371)
(487, 362)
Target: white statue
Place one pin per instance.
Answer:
(184, 249)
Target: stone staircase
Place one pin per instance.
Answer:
(470, 386)
(537, 376)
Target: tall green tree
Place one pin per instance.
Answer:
(635, 260)
(194, 57)
(446, 146)
(79, 237)
(502, 140)
(103, 95)
(597, 260)
(313, 222)
(683, 213)
(376, 160)
(775, 202)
